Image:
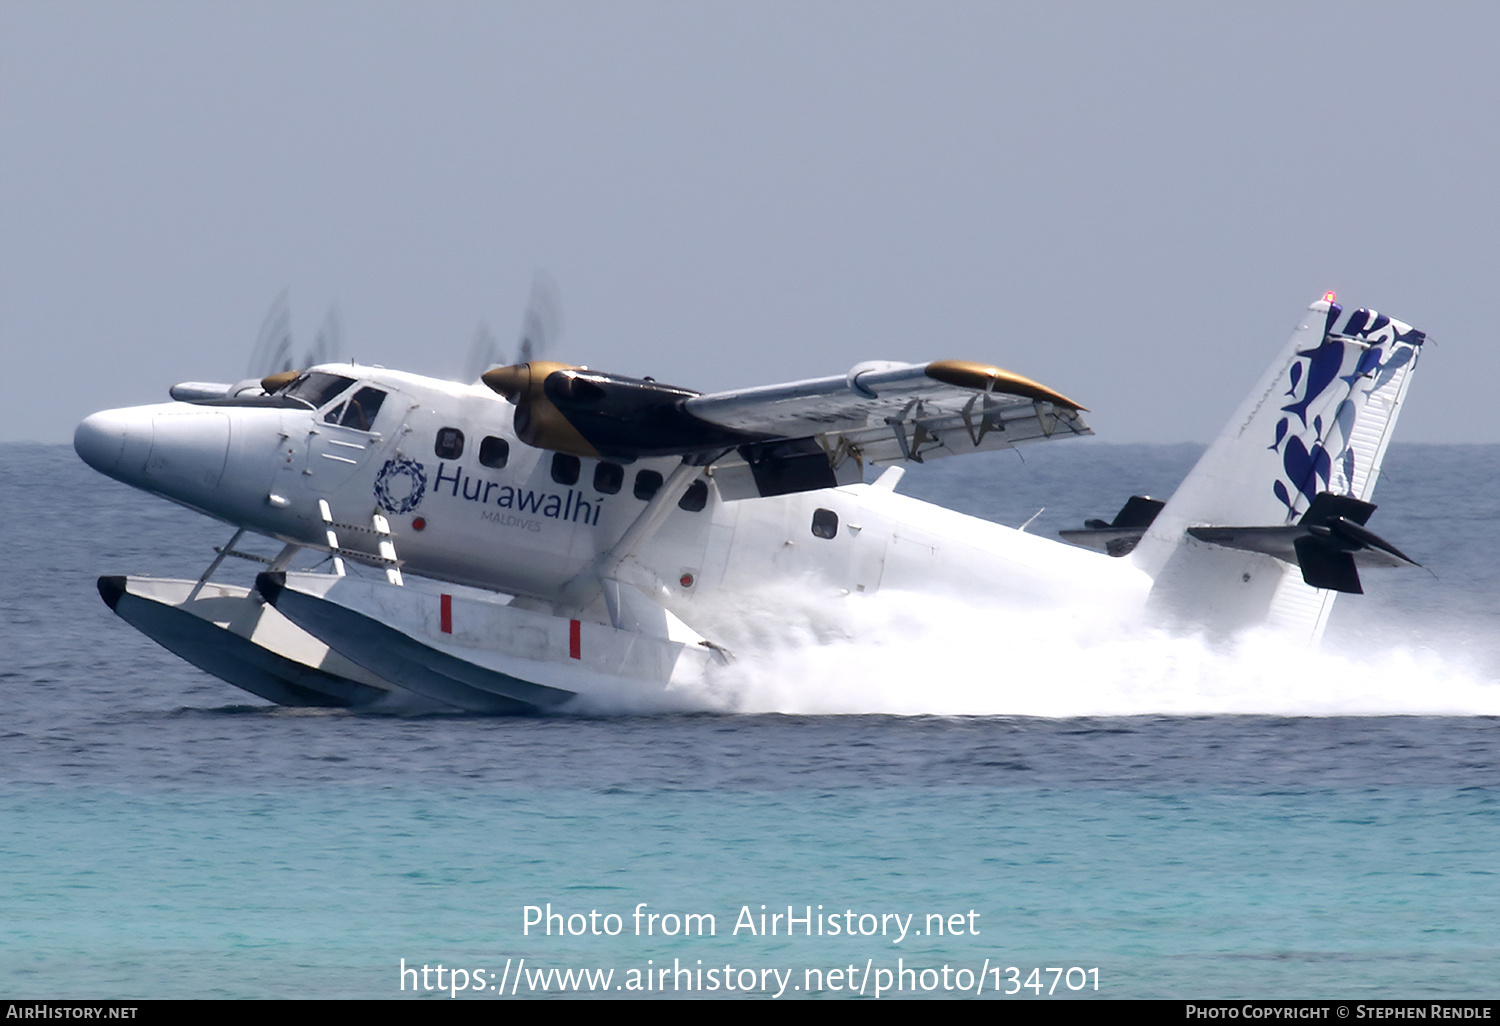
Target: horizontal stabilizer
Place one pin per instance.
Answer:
(1118, 537)
(1327, 544)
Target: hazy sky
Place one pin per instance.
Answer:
(1130, 202)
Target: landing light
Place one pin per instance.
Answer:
(1328, 296)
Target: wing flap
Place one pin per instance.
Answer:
(885, 412)
(868, 395)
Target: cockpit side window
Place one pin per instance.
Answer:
(359, 412)
(318, 389)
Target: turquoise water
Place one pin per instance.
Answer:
(322, 893)
(162, 835)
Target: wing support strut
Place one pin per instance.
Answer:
(604, 574)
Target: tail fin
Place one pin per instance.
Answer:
(1318, 421)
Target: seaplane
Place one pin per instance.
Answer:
(549, 535)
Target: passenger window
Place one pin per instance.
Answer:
(646, 484)
(450, 443)
(825, 523)
(695, 498)
(494, 452)
(360, 411)
(565, 468)
(608, 477)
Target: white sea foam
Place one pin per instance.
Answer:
(909, 654)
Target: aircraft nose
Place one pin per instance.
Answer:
(112, 440)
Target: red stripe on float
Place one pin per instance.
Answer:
(447, 614)
(575, 639)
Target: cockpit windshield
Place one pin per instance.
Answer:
(317, 389)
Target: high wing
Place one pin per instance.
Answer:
(890, 411)
(886, 413)
(798, 436)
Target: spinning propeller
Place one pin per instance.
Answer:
(540, 328)
(571, 409)
(273, 364)
(272, 360)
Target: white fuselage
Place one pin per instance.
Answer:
(468, 503)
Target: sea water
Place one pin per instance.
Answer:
(1130, 814)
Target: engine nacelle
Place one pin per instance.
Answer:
(593, 414)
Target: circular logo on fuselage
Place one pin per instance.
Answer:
(400, 485)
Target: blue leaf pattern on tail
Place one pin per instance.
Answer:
(1370, 352)
(1281, 427)
(1308, 471)
(1322, 368)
